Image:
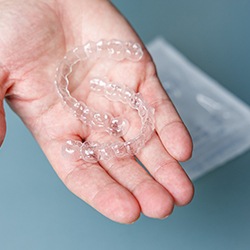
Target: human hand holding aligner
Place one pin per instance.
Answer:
(36, 36)
(115, 126)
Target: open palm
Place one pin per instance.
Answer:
(34, 36)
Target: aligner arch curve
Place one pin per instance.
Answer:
(95, 151)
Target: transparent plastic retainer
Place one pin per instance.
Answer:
(90, 151)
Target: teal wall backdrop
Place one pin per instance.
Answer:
(37, 212)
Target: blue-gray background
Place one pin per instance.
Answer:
(38, 212)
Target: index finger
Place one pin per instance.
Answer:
(169, 126)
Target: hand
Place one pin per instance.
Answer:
(34, 36)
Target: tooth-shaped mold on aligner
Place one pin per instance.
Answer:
(116, 50)
(116, 126)
(72, 150)
(89, 151)
(133, 51)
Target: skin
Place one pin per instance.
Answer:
(35, 35)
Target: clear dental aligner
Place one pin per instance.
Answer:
(95, 151)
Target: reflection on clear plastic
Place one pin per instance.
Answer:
(213, 107)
